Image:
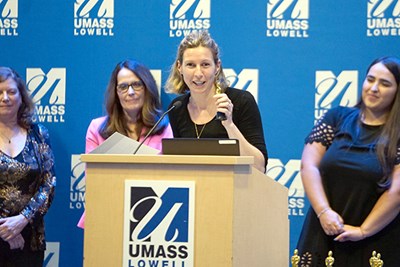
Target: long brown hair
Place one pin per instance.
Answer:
(388, 141)
(151, 111)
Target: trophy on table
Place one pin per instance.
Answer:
(329, 260)
(375, 260)
(379, 261)
(295, 258)
(372, 260)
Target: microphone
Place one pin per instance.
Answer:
(220, 115)
(177, 104)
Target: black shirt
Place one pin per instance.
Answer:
(245, 116)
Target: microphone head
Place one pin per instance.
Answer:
(177, 104)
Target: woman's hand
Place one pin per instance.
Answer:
(350, 233)
(331, 222)
(224, 105)
(17, 242)
(10, 227)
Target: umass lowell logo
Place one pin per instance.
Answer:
(48, 90)
(8, 17)
(383, 18)
(93, 18)
(149, 220)
(335, 90)
(287, 18)
(189, 15)
(246, 80)
(52, 254)
(288, 174)
(158, 226)
(77, 183)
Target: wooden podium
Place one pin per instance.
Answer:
(241, 215)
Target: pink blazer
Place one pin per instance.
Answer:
(94, 139)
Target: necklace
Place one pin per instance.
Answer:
(9, 138)
(201, 131)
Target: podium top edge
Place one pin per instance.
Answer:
(167, 159)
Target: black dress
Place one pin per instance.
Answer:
(350, 173)
(245, 116)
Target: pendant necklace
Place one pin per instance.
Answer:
(198, 134)
(197, 131)
(9, 139)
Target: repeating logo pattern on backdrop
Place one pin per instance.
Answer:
(52, 254)
(94, 17)
(48, 93)
(246, 80)
(8, 18)
(77, 184)
(287, 18)
(92, 25)
(158, 223)
(332, 91)
(383, 18)
(289, 175)
(188, 15)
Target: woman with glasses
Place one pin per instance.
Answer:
(133, 107)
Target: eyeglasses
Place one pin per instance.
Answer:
(137, 86)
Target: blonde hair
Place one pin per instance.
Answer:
(175, 83)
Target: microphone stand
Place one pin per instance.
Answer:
(178, 103)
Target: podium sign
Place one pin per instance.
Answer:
(158, 223)
(240, 215)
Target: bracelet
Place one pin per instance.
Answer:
(323, 211)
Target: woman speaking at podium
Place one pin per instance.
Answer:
(211, 109)
(133, 107)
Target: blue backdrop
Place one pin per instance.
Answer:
(298, 57)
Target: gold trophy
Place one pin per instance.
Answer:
(220, 116)
(329, 260)
(372, 260)
(379, 261)
(295, 258)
